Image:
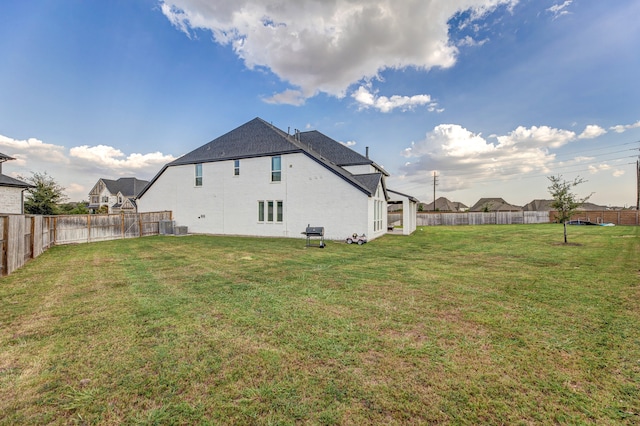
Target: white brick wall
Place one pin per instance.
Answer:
(228, 204)
(10, 200)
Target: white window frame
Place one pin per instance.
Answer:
(198, 175)
(236, 167)
(276, 173)
(270, 211)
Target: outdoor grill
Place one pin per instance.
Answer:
(314, 232)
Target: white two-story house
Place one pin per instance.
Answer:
(257, 180)
(117, 195)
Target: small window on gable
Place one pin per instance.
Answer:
(276, 169)
(236, 168)
(198, 175)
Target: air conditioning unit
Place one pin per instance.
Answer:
(166, 227)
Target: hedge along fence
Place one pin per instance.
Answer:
(24, 237)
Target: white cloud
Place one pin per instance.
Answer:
(366, 99)
(621, 128)
(537, 137)
(31, 149)
(78, 168)
(107, 156)
(592, 131)
(470, 41)
(462, 157)
(560, 9)
(618, 173)
(326, 46)
(288, 97)
(593, 169)
(349, 143)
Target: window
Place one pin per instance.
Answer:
(377, 214)
(260, 211)
(236, 168)
(270, 211)
(105, 199)
(198, 174)
(276, 169)
(279, 206)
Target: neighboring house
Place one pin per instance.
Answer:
(409, 206)
(442, 204)
(11, 191)
(538, 206)
(118, 195)
(545, 205)
(258, 180)
(494, 205)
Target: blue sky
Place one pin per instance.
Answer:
(492, 95)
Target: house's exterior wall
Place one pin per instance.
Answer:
(11, 200)
(409, 216)
(362, 169)
(228, 204)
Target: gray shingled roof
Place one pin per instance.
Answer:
(414, 199)
(493, 205)
(128, 187)
(9, 181)
(332, 150)
(5, 157)
(257, 138)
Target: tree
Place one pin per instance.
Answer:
(79, 207)
(565, 202)
(44, 196)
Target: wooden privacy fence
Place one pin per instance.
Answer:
(617, 217)
(24, 237)
(475, 218)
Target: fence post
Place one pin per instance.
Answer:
(122, 223)
(140, 223)
(88, 228)
(4, 268)
(32, 239)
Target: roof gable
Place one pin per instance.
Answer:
(255, 138)
(128, 187)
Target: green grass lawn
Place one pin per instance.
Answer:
(453, 325)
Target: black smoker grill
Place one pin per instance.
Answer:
(314, 232)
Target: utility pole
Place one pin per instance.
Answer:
(638, 183)
(435, 182)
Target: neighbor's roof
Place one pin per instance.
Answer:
(257, 138)
(538, 206)
(9, 181)
(443, 204)
(494, 205)
(128, 187)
